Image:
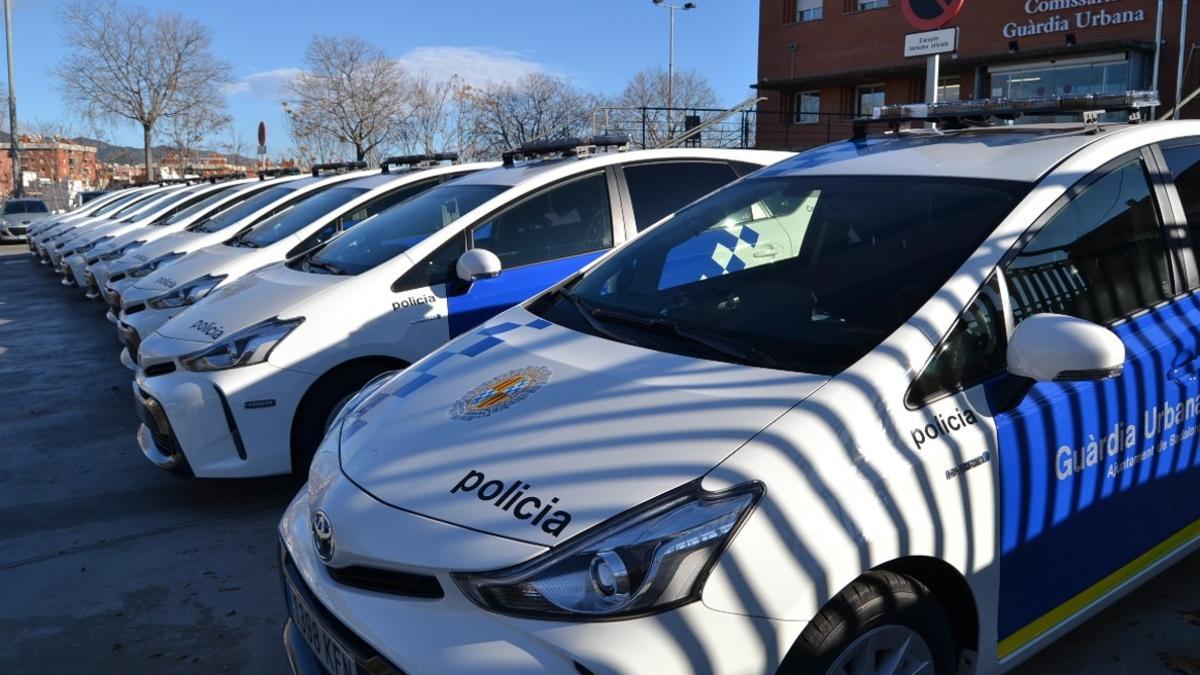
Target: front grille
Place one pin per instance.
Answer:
(369, 660)
(388, 581)
(160, 429)
(117, 277)
(160, 369)
(134, 309)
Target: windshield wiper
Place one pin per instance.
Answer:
(245, 243)
(724, 346)
(586, 312)
(328, 267)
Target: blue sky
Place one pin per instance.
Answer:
(598, 44)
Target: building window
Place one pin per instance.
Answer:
(865, 5)
(949, 89)
(809, 10)
(868, 98)
(807, 108)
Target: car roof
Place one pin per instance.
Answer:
(508, 176)
(1018, 153)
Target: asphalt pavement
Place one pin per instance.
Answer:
(108, 565)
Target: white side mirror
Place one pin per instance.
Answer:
(476, 264)
(1048, 347)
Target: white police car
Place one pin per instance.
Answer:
(793, 428)
(311, 222)
(40, 232)
(246, 382)
(115, 240)
(53, 239)
(144, 264)
(116, 258)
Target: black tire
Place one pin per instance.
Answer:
(317, 408)
(876, 599)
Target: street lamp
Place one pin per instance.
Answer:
(671, 54)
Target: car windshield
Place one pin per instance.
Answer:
(25, 206)
(137, 204)
(227, 217)
(796, 273)
(198, 207)
(393, 231)
(287, 223)
(117, 203)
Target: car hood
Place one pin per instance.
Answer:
(26, 218)
(586, 427)
(194, 265)
(176, 241)
(247, 301)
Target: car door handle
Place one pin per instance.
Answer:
(766, 251)
(1184, 369)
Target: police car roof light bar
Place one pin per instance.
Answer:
(220, 177)
(423, 160)
(264, 174)
(335, 167)
(983, 112)
(565, 147)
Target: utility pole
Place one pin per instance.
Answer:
(670, 56)
(14, 143)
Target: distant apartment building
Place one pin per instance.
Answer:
(49, 161)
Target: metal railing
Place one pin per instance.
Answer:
(738, 127)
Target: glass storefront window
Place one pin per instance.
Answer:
(870, 96)
(1061, 80)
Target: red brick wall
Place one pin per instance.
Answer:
(843, 47)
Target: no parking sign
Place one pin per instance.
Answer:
(930, 14)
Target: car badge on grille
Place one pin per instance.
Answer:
(499, 393)
(322, 532)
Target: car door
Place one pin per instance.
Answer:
(539, 241)
(1093, 475)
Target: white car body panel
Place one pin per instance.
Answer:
(847, 488)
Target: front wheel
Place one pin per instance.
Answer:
(322, 404)
(883, 623)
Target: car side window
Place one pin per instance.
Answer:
(1184, 164)
(1102, 256)
(565, 220)
(436, 268)
(661, 188)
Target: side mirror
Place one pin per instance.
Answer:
(476, 264)
(1053, 347)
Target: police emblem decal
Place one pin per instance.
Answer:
(499, 393)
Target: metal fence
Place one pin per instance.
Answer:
(766, 129)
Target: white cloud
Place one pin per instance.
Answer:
(268, 84)
(474, 64)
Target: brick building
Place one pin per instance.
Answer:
(52, 161)
(822, 62)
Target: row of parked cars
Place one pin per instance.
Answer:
(917, 402)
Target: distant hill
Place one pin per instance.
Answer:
(123, 154)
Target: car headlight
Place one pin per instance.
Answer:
(652, 558)
(187, 294)
(246, 347)
(150, 265)
(109, 256)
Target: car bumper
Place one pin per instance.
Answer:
(100, 273)
(144, 321)
(228, 424)
(452, 635)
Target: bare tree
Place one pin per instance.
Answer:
(535, 106)
(50, 129)
(233, 144)
(642, 103)
(188, 130)
(124, 63)
(350, 92)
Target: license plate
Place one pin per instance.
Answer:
(332, 655)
